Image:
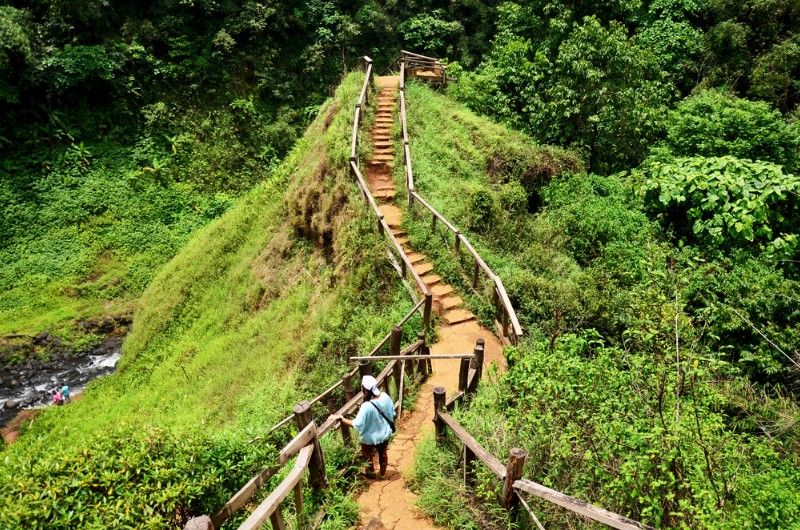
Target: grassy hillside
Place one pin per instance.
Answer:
(255, 313)
(642, 384)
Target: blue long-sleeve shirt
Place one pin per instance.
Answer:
(372, 428)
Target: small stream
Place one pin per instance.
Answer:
(31, 384)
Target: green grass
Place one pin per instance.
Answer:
(258, 311)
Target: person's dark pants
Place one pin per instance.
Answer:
(368, 452)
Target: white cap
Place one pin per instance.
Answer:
(371, 384)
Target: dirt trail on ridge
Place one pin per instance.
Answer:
(389, 500)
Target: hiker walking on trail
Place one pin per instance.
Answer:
(374, 423)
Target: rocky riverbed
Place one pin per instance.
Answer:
(31, 383)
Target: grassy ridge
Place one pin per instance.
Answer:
(598, 394)
(255, 313)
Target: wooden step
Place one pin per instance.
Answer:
(383, 144)
(457, 316)
(381, 137)
(451, 301)
(385, 195)
(423, 268)
(399, 232)
(430, 279)
(441, 289)
(415, 257)
(402, 240)
(389, 164)
(383, 158)
(384, 151)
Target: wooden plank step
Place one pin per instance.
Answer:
(382, 158)
(442, 289)
(430, 279)
(452, 301)
(381, 137)
(415, 257)
(384, 151)
(391, 214)
(402, 240)
(399, 232)
(386, 195)
(457, 316)
(423, 268)
(389, 164)
(383, 144)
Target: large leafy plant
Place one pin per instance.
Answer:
(726, 202)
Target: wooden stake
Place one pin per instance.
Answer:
(516, 461)
(439, 400)
(317, 476)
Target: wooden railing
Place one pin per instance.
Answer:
(510, 474)
(421, 66)
(397, 256)
(507, 324)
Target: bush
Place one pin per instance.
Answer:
(726, 202)
(126, 477)
(713, 124)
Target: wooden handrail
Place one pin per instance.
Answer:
(409, 266)
(579, 506)
(336, 385)
(436, 214)
(354, 143)
(363, 95)
(238, 500)
(508, 308)
(478, 259)
(302, 439)
(271, 503)
(412, 54)
(363, 185)
(243, 495)
(491, 461)
(507, 303)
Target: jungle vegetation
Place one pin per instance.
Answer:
(151, 158)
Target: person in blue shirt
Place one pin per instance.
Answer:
(372, 424)
(65, 392)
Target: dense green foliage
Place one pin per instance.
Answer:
(131, 125)
(728, 202)
(644, 383)
(228, 336)
(600, 77)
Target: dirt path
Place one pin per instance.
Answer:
(389, 500)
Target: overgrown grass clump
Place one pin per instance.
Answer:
(259, 310)
(644, 383)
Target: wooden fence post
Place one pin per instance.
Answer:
(349, 393)
(469, 458)
(516, 460)
(277, 519)
(463, 375)
(426, 311)
(364, 368)
(458, 243)
(477, 364)
(394, 349)
(475, 275)
(422, 369)
(439, 399)
(316, 467)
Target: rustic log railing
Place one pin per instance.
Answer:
(507, 324)
(397, 256)
(510, 474)
(423, 67)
